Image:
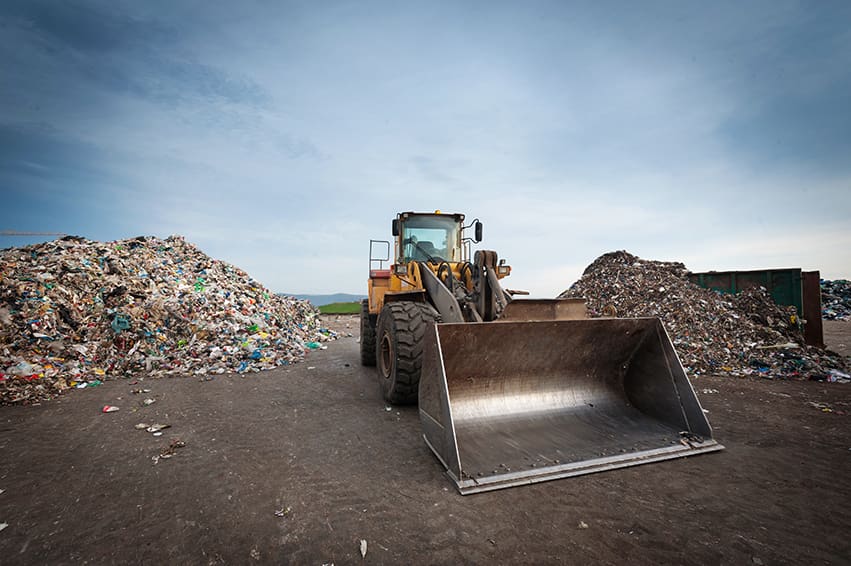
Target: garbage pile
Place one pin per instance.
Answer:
(836, 299)
(74, 312)
(743, 334)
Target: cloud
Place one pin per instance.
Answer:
(283, 136)
(87, 27)
(98, 48)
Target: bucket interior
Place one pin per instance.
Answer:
(527, 396)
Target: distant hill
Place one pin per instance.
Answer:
(319, 300)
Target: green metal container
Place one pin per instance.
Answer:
(784, 285)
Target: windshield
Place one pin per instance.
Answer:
(436, 237)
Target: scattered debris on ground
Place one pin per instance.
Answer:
(740, 335)
(838, 376)
(74, 312)
(836, 299)
(168, 451)
(155, 429)
(823, 407)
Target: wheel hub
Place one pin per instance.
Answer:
(386, 356)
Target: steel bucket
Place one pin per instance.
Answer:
(511, 403)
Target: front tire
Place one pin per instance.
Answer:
(399, 349)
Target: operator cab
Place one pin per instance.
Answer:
(433, 238)
(428, 237)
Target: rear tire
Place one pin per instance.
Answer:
(399, 351)
(367, 335)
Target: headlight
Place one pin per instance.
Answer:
(401, 270)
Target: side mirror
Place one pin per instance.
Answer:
(396, 227)
(478, 237)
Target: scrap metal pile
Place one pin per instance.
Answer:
(74, 312)
(836, 299)
(743, 334)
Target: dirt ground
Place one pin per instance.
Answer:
(837, 336)
(315, 443)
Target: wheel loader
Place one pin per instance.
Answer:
(514, 391)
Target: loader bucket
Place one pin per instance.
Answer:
(512, 403)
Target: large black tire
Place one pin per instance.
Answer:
(401, 328)
(367, 335)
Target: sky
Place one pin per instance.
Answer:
(283, 136)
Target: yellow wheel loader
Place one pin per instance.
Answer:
(516, 391)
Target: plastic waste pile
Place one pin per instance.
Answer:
(740, 335)
(836, 299)
(74, 312)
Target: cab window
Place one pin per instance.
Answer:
(431, 237)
